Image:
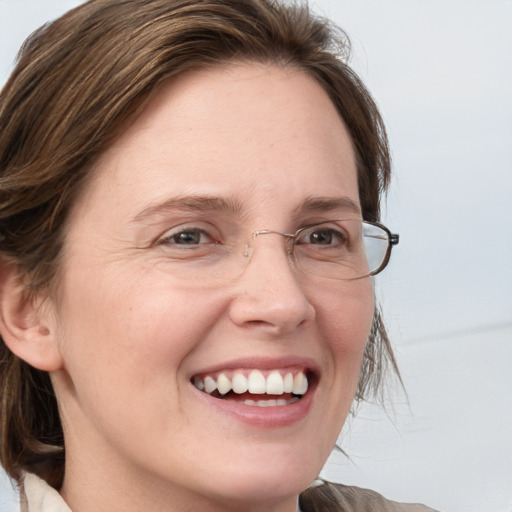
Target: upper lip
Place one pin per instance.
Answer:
(261, 363)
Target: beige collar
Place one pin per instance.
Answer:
(37, 496)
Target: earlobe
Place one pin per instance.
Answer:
(25, 325)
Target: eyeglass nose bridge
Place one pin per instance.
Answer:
(289, 239)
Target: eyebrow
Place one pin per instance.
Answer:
(207, 203)
(325, 204)
(191, 204)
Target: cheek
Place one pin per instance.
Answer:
(124, 330)
(345, 319)
(346, 316)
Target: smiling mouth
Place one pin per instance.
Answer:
(255, 387)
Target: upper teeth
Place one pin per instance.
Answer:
(256, 383)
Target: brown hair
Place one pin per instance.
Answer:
(78, 84)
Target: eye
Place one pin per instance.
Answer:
(329, 236)
(187, 237)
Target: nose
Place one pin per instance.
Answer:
(269, 296)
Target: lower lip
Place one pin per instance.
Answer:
(265, 417)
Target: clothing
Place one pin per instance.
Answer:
(321, 497)
(37, 496)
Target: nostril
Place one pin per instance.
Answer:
(256, 323)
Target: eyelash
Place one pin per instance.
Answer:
(336, 233)
(170, 238)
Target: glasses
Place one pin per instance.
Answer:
(343, 250)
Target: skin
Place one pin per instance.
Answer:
(130, 331)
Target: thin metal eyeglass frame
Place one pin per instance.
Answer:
(393, 239)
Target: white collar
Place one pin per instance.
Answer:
(38, 496)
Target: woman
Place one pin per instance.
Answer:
(187, 309)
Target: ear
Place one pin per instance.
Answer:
(26, 325)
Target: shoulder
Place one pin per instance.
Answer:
(328, 497)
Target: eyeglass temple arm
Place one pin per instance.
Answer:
(394, 239)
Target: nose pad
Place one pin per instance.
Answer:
(269, 295)
(288, 239)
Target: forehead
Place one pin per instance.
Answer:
(247, 128)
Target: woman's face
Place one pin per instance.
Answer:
(142, 316)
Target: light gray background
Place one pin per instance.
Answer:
(441, 72)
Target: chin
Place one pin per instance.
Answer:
(269, 474)
(261, 489)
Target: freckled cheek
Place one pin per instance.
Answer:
(132, 345)
(154, 324)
